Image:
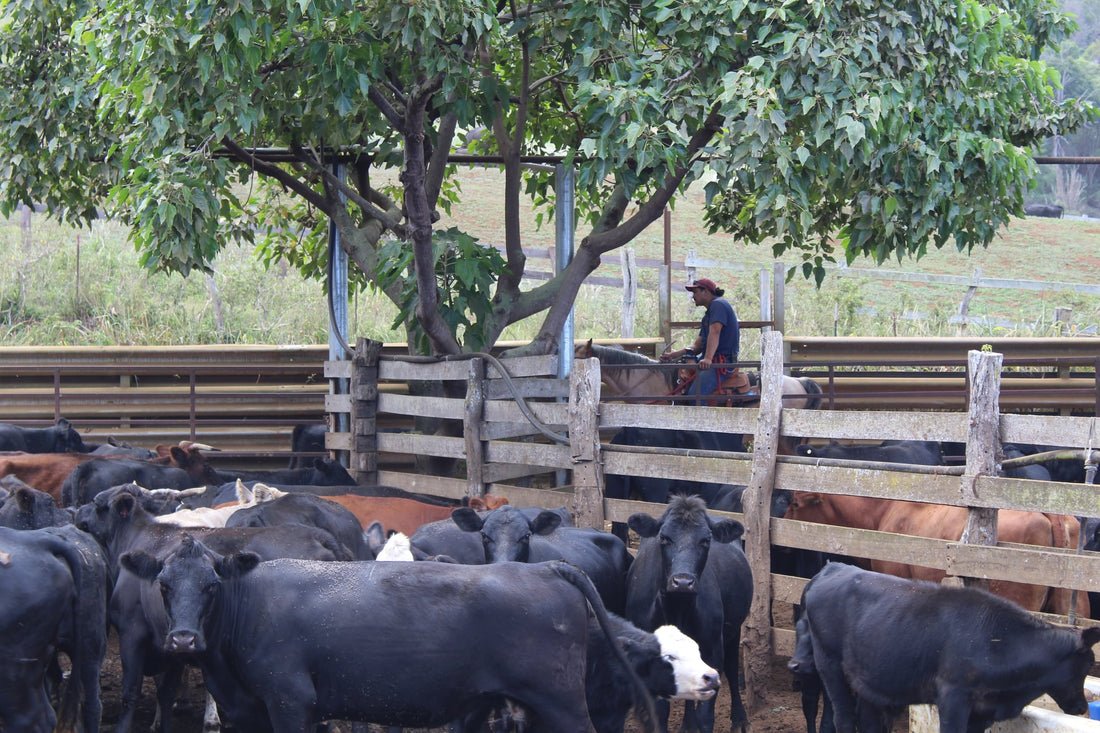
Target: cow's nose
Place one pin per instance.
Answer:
(681, 583)
(711, 681)
(183, 642)
(794, 666)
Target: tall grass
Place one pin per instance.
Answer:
(65, 286)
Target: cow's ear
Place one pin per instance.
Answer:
(179, 455)
(727, 530)
(141, 564)
(236, 564)
(467, 519)
(376, 537)
(1090, 636)
(24, 499)
(546, 522)
(124, 504)
(643, 524)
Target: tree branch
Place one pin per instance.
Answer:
(274, 171)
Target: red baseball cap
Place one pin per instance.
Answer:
(704, 283)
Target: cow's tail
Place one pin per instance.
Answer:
(643, 701)
(88, 620)
(814, 393)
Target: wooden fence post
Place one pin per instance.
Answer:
(757, 638)
(364, 411)
(473, 415)
(983, 444)
(584, 443)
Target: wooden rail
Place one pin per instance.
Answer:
(503, 454)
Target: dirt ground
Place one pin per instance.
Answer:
(782, 714)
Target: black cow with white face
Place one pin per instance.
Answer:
(510, 535)
(59, 438)
(54, 585)
(979, 658)
(402, 644)
(690, 571)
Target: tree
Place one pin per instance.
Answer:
(853, 128)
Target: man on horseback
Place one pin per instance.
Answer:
(718, 341)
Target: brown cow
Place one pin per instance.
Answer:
(43, 471)
(939, 521)
(395, 514)
(404, 515)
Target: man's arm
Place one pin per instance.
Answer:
(713, 332)
(694, 349)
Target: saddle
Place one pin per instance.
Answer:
(739, 388)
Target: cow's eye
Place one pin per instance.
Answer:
(670, 657)
(665, 539)
(705, 542)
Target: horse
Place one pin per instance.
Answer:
(626, 377)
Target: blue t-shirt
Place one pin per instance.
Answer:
(729, 339)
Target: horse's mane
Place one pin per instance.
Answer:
(618, 356)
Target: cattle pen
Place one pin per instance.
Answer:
(460, 421)
(536, 439)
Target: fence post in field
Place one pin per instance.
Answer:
(584, 443)
(473, 415)
(757, 639)
(364, 411)
(983, 442)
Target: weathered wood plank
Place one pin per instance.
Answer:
(529, 388)
(696, 465)
(446, 407)
(417, 444)
(536, 454)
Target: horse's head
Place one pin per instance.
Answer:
(584, 351)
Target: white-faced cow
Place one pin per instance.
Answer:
(510, 535)
(979, 658)
(691, 572)
(406, 644)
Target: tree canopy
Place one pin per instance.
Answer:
(827, 130)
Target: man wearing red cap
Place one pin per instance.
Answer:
(719, 337)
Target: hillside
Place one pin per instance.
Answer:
(64, 286)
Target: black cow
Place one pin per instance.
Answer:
(979, 658)
(54, 585)
(509, 535)
(381, 642)
(60, 438)
(98, 474)
(918, 452)
(691, 572)
(444, 538)
(318, 472)
(667, 661)
(658, 490)
(309, 510)
(27, 508)
(1051, 211)
(801, 665)
(306, 439)
(135, 608)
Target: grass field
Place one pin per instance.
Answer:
(61, 286)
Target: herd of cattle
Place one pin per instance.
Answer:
(303, 597)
